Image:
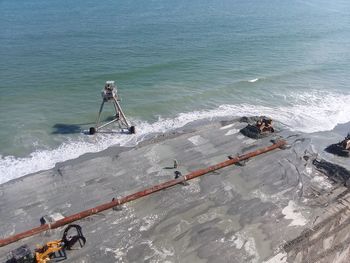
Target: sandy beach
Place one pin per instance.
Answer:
(189, 75)
(276, 207)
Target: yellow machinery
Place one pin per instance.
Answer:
(72, 239)
(43, 254)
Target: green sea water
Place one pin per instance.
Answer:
(173, 61)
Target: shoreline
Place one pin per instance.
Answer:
(45, 157)
(150, 138)
(243, 211)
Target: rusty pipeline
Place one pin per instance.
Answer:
(137, 195)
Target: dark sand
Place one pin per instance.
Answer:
(275, 208)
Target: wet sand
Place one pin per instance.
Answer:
(275, 208)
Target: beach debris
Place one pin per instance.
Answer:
(47, 219)
(346, 142)
(134, 196)
(116, 208)
(175, 163)
(241, 163)
(72, 239)
(265, 125)
(284, 146)
(174, 166)
(109, 94)
(21, 254)
(261, 128)
(179, 175)
(341, 148)
(333, 171)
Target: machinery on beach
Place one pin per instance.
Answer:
(341, 148)
(109, 94)
(258, 127)
(72, 239)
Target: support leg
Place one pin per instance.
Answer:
(121, 113)
(94, 129)
(99, 115)
(117, 115)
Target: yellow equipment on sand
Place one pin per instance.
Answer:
(68, 242)
(72, 239)
(42, 254)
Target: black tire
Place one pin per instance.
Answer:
(92, 130)
(132, 129)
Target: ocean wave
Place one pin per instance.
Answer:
(253, 80)
(308, 112)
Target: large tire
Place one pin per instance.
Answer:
(132, 130)
(92, 130)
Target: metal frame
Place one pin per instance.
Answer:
(109, 94)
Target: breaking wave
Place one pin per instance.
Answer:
(306, 112)
(253, 80)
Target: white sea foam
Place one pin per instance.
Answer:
(231, 132)
(310, 112)
(291, 212)
(227, 126)
(279, 258)
(322, 182)
(148, 221)
(249, 141)
(197, 140)
(253, 80)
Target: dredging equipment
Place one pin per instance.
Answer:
(72, 239)
(109, 94)
(116, 202)
(262, 128)
(341, 148)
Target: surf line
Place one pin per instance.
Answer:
(137, 195)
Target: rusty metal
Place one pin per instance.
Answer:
(137, 195)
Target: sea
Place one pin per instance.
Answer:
(175, 62)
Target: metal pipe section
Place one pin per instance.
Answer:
(137, 195)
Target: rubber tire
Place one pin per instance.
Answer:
(92, 130)
(132, 130)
